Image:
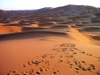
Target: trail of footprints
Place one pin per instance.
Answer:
(65, 52)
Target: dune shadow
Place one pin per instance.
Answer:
(28, 35)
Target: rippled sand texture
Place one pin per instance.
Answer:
(50, 44)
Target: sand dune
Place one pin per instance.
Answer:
(45, 24)
(9, 29)
(97, 15)
(77, 25)
(31, 28)
(35, 25)
(63, 56)
(61, 41)
(29, 34)
(2, 24)
(95, 20)
(69, 22)
(59, 26)
(91, 29)
(15, 22)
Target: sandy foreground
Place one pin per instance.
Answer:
(50, 45)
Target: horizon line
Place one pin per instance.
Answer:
(44, 7)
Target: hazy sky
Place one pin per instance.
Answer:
(36, 4)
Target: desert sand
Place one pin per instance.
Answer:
(50, 44)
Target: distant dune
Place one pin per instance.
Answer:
(50, 41)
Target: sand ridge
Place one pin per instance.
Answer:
(48, 24)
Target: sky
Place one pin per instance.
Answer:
(37, 4)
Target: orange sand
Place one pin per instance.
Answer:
(50, 45)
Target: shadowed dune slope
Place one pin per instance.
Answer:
(31, 34)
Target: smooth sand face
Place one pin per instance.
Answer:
(49, 45)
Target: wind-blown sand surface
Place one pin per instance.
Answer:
(50, 45)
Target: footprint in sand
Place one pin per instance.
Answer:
(23, 65)
(84, 69)
(98, 73)
(77, 68)
(37, 73)
(55, 72)
(66, 52)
